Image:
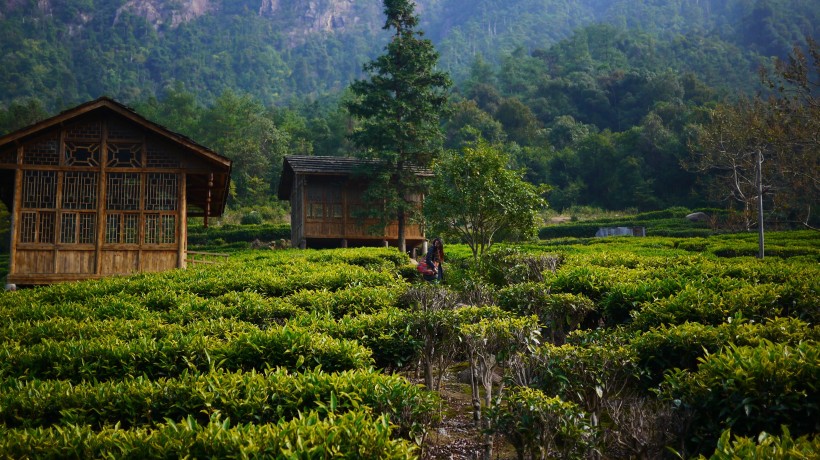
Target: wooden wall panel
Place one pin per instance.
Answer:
(157, 261)
(119, 262)
(76, 261)
(34, 261)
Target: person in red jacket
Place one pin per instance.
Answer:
(434, 259)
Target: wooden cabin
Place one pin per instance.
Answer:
(99, 190)
(326, 200)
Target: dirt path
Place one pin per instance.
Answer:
(457, 437)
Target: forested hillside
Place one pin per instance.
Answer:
(598, 99)
(73, 50)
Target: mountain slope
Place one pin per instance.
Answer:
(67, 51)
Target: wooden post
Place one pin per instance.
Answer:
(208, 199)
(182, 225)
(101, 203)
(15, 211)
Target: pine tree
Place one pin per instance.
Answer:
(399, 110)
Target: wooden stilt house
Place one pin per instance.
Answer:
(99, 190)
(326, 199)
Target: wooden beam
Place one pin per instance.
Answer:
(15, 212)
(182, 225)
(101, 199)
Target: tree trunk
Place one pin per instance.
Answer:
(402, 237)
(427, 362)
(760, 203)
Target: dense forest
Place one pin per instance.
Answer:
(597, 99)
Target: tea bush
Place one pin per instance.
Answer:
(681, 346)
(539, 426)
(766, 446)
(107, 358)
(352, 435)
(243, 397)
(750, 389)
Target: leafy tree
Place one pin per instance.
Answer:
(399, 109)
(239, 128)
(21, 113)
(468, 123)
(730, 151)
(768, 147)
(796, 108)
(475, 196)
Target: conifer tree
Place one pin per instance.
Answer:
(399, 109)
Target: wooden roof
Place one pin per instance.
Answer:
(220, 166)
(293, 165)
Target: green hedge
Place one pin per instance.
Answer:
(682, 346)
(352, 435)
(750, 390)
(200, 236)
(252, 397)
(108, 358)
(766, 446)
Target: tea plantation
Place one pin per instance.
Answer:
(656, 347)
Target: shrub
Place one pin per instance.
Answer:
(351, 435)
(107, 358)
(251, 218)
(507, 266)
(587, 375)
(681, 346)
(750, 390)
(766, 447)
(198, 236)
(539, 426)
(558, 313)
(243, 397)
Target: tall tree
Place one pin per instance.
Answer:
(399, 111)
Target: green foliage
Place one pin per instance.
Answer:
(539, 426)
(350, 435)
(682, 346)
(507, 266)
(728, 342)
(766, 446)
(750, 389)
(251, 218)
(588, 375)
(106, 358)
(399, 111)
(475, 198)
(243, 397)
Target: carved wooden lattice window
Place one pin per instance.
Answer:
(123, 192)
(82, 154)
(124, 155)
(37, 227)
(42, 152)
(78, 227)
(122, 228)
(79, 190)
(160, 229)
(39, 189)
(161, 192)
